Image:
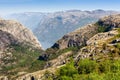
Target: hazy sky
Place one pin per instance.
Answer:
(15, 6)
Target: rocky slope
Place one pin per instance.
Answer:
(18, 46)
(81, 35)
(102, 45)
(20, 32)
(48, 26)
(76, 38)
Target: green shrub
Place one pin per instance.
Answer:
(36, 65)
(90, 70)
(54, 53)
(87, 66)
(112, 76)
(94, 76)
(118, 45)
(68, 70)
(65, 78)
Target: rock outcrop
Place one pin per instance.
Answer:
(6, 39)
(99, 45)
(77, 37)
(112, 21)
(101, 37)
(21, 33)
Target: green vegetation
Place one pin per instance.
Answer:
(24, 58)
(101, 28)
(89, 70)
(118, 35)
(118, 45)
(54, 53)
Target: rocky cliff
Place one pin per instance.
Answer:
(23, 34)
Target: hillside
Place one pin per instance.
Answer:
(49, 27)
(19, 31)
(98, 59)
(80, 36)
(19, 49)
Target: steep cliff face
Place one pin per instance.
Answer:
(20, 32)
(80, 36)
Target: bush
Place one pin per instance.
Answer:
(65, 78)
(86, 66)
(112, 76)
(36, 65)
(90, 70)
(118, 45)
(68, 70)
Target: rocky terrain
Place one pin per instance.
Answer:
(6, 39)
(48, 26)
(18, 45)
(76, 38)
(19, 31)
(102, 45)
(81, 35)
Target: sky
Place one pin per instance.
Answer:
(16, 6)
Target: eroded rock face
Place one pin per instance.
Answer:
(20, 32)
(76, 38)
(6, 39)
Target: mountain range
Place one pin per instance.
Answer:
(49, 27)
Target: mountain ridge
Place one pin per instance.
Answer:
(47, 26)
